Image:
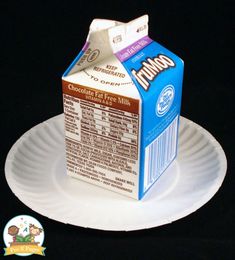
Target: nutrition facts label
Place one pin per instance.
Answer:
(102, 143)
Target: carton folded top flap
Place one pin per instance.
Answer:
(123, 35)
(102, 24)
(105, 38)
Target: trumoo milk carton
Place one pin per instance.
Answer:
(122, 97)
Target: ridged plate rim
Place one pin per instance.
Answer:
(203, 200)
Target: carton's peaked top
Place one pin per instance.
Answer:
(121, 58)
(108, 37)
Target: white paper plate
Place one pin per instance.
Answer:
(35, 172)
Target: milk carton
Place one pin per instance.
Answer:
(122, 97)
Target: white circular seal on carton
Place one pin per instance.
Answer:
(165, 100)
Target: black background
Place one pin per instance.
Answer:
(39, 39)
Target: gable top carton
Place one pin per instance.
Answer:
(122, 97)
